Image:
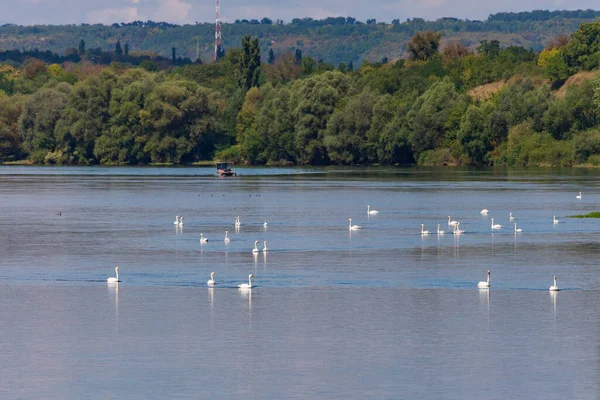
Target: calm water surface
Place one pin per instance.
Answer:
(377, 313)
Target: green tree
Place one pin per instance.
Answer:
(434, 119)
(271, 56)
(554, 65)
(274, 122)
(10, 140)
(423, 45)
(346, 135)
(312, 101)
(85, 118)
(38, 120)
(118, 48)
(387, 139)
(124, 140)
(482, 129)
(250, 62)
(81, 47)
(581, 51)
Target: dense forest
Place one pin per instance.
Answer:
(444, 103)
(333, 40)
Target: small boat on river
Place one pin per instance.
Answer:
(223, 169)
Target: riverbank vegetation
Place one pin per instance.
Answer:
(445, 104)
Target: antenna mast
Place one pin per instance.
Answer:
(217, 32)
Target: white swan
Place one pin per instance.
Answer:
(114, 279)
(371, 212)
(554, 220)
(451, 223)
(518, 230)
(578, 196)
(484, 212)
(457, 230)
(423, 231)
(247, 285)
(554, 288)
(510, 217)
(496, 226)
(353, 227)
(211, 281)
(265, 224)
(255, 249)
(176, 220)
(485, 285)
(237, 221)
(265, 247)
(180, 222)
(439, 232)
(203, 239)
(227, 240)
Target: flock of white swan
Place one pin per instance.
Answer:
(455, 226)
(457, 231)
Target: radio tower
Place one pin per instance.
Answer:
(217, 33)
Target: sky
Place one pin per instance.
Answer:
(31, 12)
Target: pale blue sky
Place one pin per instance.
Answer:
(28, 12)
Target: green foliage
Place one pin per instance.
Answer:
(434, 119)
(423, 45)
(586, 144)
(250, 63)
(482, 129)
(38, 120)
(298, 110)
(584, 44)
(594, 214)
(575, 112)
(10, 140)
(554, 64)
(346, 133)
(312, 101)
(526, 147)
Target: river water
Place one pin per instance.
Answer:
(382, 312)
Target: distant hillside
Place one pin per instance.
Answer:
(334, 40)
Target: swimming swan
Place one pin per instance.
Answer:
(510, 217)
(265, 247)
(180, 222)
(496, 226)
(203, 239)
(554, 220)
(113, 279)
(439, 232)
(353, 227)
(484, 212)
(519, 230)
(255, 249)
(485, 285)
(578, 196)
(457, 230)
(554, 288)
(247, 285)
(176, 220)
(371, 212)
(423, 231)
(237, 221)
(227, 240)
(265, 223)
(451, 223)
(211, 281)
